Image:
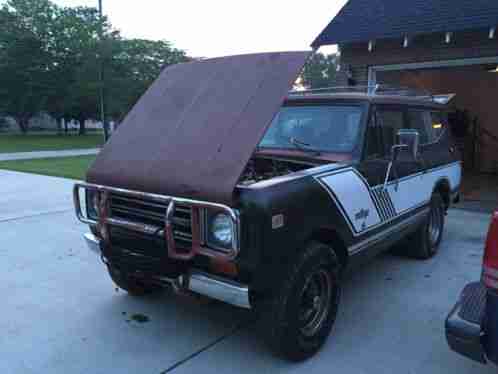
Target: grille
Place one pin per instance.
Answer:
(137, 252)
(153, 213)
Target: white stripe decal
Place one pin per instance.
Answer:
(416, 191)
(364, 208)
(353, 197)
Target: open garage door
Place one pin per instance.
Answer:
(475, 120)
(475, 106)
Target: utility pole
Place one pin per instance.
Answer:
(105, 125)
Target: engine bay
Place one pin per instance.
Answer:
(262, 168)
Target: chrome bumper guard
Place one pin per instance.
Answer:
(220, 289)
(199, 282)
(198, 245)
(93, 243)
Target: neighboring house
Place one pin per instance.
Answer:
(40, 122)
(44, 122)
(444, 46)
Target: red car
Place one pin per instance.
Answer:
(472, 325)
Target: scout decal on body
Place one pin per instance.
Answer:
(351, 194)
(364, 207)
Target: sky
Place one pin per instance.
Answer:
(221, 27)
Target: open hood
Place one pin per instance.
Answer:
(192, 133)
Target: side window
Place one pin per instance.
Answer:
(390, 122)
(439, 121)
(420, 120)
(430, 125)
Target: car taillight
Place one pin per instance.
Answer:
(490, 263)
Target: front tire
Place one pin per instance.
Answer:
(131, 285)
(304, 309)
(424, 243)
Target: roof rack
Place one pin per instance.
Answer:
(378, 89)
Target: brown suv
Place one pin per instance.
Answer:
(220, 182)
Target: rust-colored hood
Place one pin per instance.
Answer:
(192, 133)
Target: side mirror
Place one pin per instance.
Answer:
(407, 147)
(405, 150)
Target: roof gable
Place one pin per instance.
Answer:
(363, 20)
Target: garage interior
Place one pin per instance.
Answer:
(473, 118)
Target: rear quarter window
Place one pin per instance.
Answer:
(439, 124)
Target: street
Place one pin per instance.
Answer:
(62, 314)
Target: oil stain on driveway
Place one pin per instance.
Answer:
(62, 314)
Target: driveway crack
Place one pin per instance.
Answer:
(35, 215)
(214, 343)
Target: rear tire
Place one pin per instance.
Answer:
(304, 309)
(424, 243)
(133, 286)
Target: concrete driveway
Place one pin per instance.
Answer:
(61, 313)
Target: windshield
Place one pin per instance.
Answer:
(332, 129)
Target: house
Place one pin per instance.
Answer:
(442, 46)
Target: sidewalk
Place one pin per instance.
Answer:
(48, 154)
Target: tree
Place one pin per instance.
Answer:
(132, 67)
(320, 71)
(73, 43)
(25, 61)
(76, 49)
(51, 57)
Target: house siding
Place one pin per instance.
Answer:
(356, 58)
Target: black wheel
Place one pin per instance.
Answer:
(424, 243)
(304, 309)
(133, 286)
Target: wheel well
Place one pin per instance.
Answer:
(443, 188)
(332, 238)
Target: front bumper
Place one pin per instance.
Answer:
(196, 281)
(464, 331)
(93, 243)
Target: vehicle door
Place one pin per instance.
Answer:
(384, 176)
(381, 135)
(406, 185)
(373, 166)
(430, 126)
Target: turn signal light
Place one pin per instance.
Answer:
(490, 263)
(223, 267)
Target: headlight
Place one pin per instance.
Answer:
(221, 230)
(92, 204)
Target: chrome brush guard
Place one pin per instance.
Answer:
(198, 245)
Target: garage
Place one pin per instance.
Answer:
(474, 113)
(440, 47)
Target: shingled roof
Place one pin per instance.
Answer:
(363, 20)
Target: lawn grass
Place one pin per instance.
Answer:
(66, 167)
(12, 143)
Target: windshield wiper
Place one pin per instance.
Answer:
(302, 146)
